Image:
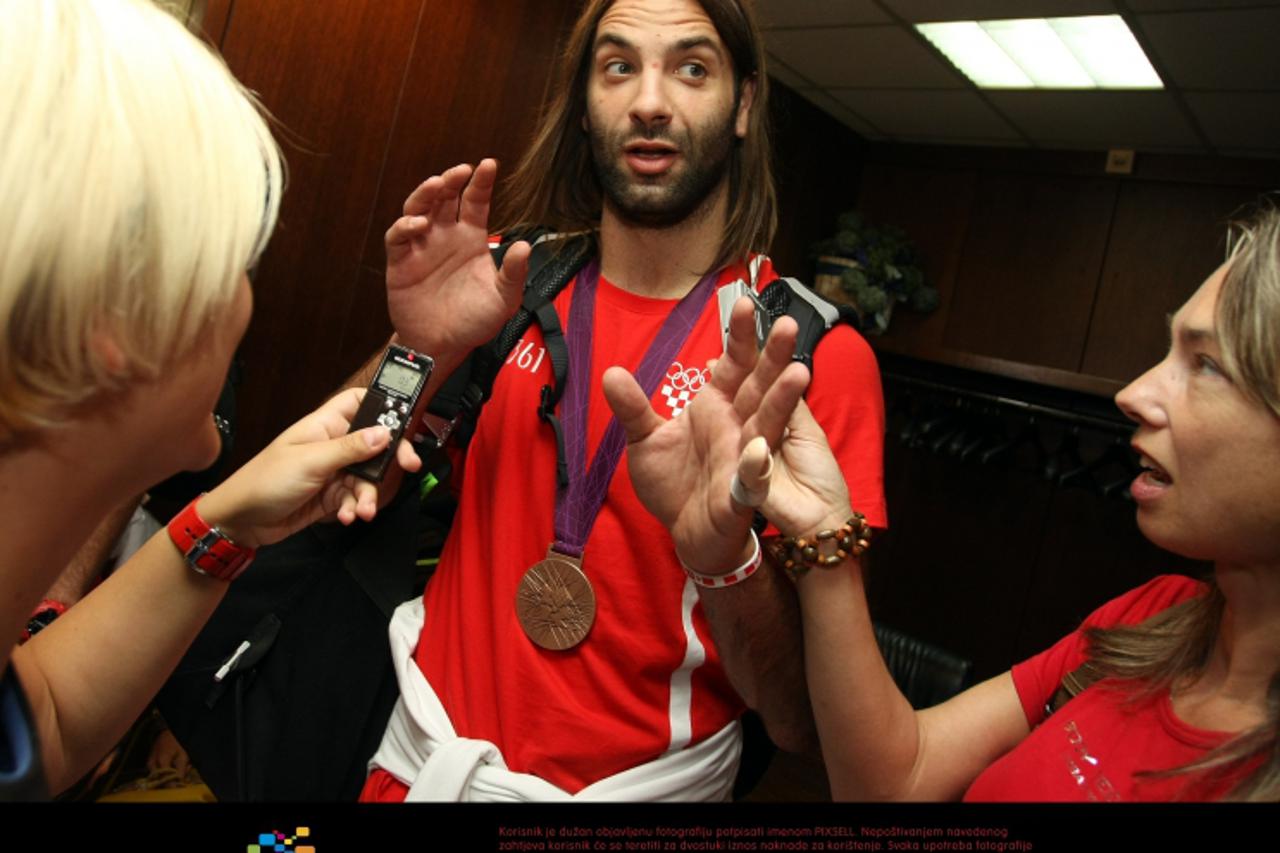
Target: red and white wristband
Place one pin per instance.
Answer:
(736, 576)
(207, 549)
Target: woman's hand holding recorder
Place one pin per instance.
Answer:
(299, 479)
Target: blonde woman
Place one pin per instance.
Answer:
(1180, 677)
(138, 183)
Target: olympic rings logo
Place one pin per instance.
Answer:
(686, 379)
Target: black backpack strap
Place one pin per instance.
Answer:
(558, 351)
(814, 315)
(555, 260)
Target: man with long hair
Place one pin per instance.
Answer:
(570, 644)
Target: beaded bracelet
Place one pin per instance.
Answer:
(800, 554)
(738, 575)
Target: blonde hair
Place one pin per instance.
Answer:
(138, 182)
(1248, 310)
(1176, 643)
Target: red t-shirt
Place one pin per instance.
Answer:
(647, 678)
(1093, 746)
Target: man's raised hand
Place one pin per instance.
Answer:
(444, 294)
(682, 468)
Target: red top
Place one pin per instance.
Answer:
(1093, 747)
(648, 677)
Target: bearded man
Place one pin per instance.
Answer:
(632, 684)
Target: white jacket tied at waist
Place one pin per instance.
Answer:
(422, 750)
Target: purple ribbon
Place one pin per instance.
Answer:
(578, 506)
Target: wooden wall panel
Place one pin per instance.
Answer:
(331, 74)
(933, 206)
(1030, 268)
(215, 17)
(955, 567)
(1167, 238)
(472, 90)
(1091, 552)
(817, 164)
(1021, 301)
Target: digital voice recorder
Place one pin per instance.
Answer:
(392, 396)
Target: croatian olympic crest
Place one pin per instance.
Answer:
(681, 384)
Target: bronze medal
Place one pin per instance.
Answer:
(555, 603)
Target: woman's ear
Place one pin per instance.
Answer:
(107, 351)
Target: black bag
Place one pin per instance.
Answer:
(304, 706)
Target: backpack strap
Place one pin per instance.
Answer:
(1073, 684)
(814, 315)
(558, 351)
(554, 261)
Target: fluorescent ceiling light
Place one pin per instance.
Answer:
(973, 51)
(1096, 51)
(1110, 53)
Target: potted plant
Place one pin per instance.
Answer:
(871, 268)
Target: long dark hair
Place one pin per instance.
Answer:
(555, 184)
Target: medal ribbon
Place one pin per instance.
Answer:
(579, 504)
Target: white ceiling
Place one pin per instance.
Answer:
(862, 62)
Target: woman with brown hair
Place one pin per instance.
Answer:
(1180, 678)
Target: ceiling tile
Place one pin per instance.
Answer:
(1230, 49)
(872, 57)
(1096, 119)
(842, 113)
(782, 72)
(818, 13)
(1239, 120)
(909, 115)
(1194, 5)
(1081, 145)
(1250, 153)
(985, 10)
(971, 143)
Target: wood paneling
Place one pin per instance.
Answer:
(1030, 268)
(1167, 238)
(216, 15)
(1148, 167)
(1048, 270)
(816, 166)
(331, 74)
(371, 96)
(933, 207)
(1091, 552)
(955, 567)
(472, 90)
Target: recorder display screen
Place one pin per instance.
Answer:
(401, 379)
